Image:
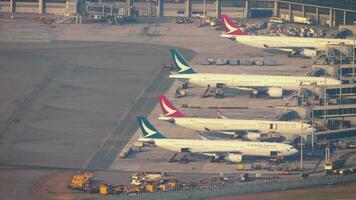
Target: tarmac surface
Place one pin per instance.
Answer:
(70, 95)
(76, 114)
(72, 105)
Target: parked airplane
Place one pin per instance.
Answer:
(229, 150)
(308, 47)
(273, 85)
(246, 129)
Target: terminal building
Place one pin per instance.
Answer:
(325, 12)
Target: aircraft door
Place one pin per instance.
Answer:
(273, 126)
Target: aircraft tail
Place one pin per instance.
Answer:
(148, 130)
(181, 64)
(229, 26)
(168, 108)
(221, 115)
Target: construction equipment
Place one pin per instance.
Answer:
(132, 189)
(331, 166)
(140, 182)
(240, 167)
(145, 177)
(303, 20)
(304, 175)
(106, 189)
(347, 171)
(244, 177)
(277, 20)
(82, 181)
(153, 181)
(136, 179)
(168, 186)
(149, 188)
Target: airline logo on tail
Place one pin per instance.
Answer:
(147, 129)
(181, 64)
(168, 108)
(230, 27)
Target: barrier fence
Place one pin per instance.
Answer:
(229, 189)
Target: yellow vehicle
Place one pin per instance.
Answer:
(105, 189)
(331, 167)
(240, 167)
(149, 188)
(276, 20)
(82, 181)
(167, 186)
(130, 189)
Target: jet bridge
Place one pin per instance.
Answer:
(335, 134)
(346, 91)
(333, 111)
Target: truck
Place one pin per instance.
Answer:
(244, 177)
(240, 166)
(277, 20)
(148, 177)
(331, 167)
(81, 181)
(303, 20)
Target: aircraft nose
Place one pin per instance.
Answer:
(294, 151)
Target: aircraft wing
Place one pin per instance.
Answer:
(253, 88)
(232, 131)
(176, 76)
(209, 153)
(289, 48)
(217, 152)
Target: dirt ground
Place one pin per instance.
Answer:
(339, 192)
(53, 186)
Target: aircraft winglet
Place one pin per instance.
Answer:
(221, 115)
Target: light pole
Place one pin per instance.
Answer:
(302, 133)
(340, 77)
(325, 100)
(204, 8)
(313, 105)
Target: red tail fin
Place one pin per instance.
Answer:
(229, 26)
(221, 115)
(167, 107)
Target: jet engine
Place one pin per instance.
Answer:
(233, 157)
(252, 136)
(310, 53)
(275, 92)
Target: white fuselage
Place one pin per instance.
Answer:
(255, 81)
(225, 146)
(287, 128)
(290, 42)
